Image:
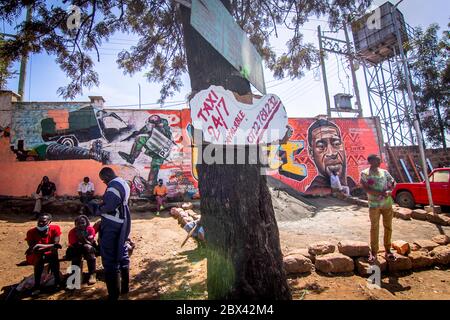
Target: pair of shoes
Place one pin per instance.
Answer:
(35, 292)
(92, 279)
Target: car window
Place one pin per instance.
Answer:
(440, 176)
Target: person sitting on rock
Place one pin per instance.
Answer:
(86, 192)
(45, 191)
(82, 244)
(196, 231)
(336, 185)
(160, 192)
(43, 244)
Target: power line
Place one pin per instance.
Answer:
(166, 104)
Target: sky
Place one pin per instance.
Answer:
(301, 97)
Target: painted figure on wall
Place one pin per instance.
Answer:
(326, 149)
(111, 133)
(155, 138)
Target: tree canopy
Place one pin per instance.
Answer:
(156, 23)
(430, 65)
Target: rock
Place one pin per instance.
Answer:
(440, 219)
(402, 247)
(362, 203)
(362, 265)
(354, 248)
(421, 259)
(183, 215)
(402, 263)
(322, 247)
(334, 263)
(403, 213)
(303, 252)
(297, 263)
(419, 214)
(176, 212)
(441, 254)
(435, 209)
(414, 247)
(186, 220)
(187, 206)
(426, 244)
(191, 213)
(441, 239)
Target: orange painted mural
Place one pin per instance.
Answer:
(321, 146)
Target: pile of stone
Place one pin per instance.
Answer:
(352, 256)
(420, 214)
(185, 214)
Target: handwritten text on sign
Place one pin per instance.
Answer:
(224, 120)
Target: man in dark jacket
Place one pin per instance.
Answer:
(45, 191)
(114, 231)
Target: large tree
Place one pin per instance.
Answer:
(430, 64)
(6, 71)
(244, 256)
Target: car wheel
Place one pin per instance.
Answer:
(405, 199)
(69, 141)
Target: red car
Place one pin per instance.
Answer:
(410, 194)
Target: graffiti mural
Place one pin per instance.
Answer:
(321, 146)
(148, 145)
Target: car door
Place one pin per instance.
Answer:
(439, 183)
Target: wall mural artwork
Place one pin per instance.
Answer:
(157, 144)
(319, 146)
(148, 145)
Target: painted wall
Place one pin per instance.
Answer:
(146, 145)
(318, 146)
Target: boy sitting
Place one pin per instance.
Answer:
(43, 244)
(82, 244)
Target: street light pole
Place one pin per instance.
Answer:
(139, 95)
(413, 105)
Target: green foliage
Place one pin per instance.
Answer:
(430, 67)
(160, 48)
(6, 71)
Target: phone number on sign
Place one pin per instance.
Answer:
(263, 119)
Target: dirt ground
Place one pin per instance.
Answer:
(161, 269)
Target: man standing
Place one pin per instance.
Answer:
(378, 184)
(326, 149)
(43, 244)
(114, 231)
(45, 191)
(86, 192)
(160, 192)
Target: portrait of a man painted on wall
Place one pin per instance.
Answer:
(326, 149)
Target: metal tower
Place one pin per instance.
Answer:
(377, 48)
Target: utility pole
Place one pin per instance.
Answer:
(352, 68)
(413, 105)
(139, 95)
(324, 72)
(24, 61)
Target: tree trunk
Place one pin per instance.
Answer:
(244, 254)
